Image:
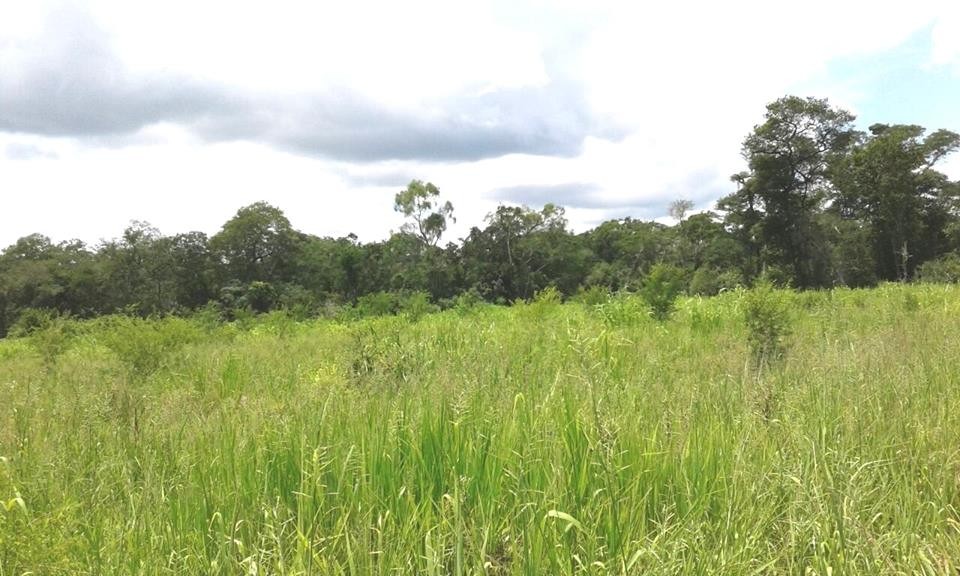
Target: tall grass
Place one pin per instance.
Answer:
(539, 439)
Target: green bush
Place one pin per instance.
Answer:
(709, 281)
(622, 309)
(945, 270)
(661, 287)
(261, 297)
(767, 316)
(415, 305)
(143, 345)
(593, 295)
(49, 333)
(31, 320)
(377, 304)
(468, 302)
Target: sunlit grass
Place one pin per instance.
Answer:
(541, 439)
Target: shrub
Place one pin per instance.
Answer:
(593, 295)
(622, 309)
(767, 317)
(261, 296)
(660, 289)
(144, 344)
(468, 301)
(377, 304)
(31, 320)
(49, 333)
(415, 305)
(709, 281)
(945, 270)
(297, 301)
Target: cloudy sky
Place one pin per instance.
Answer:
(180, 112)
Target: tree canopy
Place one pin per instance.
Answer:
(819, 204)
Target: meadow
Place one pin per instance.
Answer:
(543, 438)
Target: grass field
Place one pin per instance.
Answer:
(538, 439)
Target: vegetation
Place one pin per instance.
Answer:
(543, 438)
(265, 401)
(821, 205)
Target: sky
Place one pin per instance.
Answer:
(180, 112)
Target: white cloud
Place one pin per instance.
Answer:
(398, 53)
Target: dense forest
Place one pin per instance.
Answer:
(821, 204)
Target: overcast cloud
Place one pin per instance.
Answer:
(181, 112)
(69, 81)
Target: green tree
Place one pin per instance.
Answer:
(139, 271)
(660, 289)
(775, 207)
(625, 250)
(889, 183)
(522, 251)
(37, 274)
(428, 216)
(257, 244)
(193, 270)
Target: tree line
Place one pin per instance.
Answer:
(821, 204)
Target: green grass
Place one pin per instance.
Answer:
(539, 439)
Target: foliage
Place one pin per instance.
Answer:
(257, 244)
(789, 156)
(428, 216)
(819, 205)
(623, 309)
(593, 295)
(143, 345)
(888, 183)
(417, 304)
(661, 287)
(943, 270)
(709, 281)
(33, 320)
(377, 304)
(767, 316)
(49, 333)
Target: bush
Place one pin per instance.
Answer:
(660, 289)
(144, 344)
(415, 305)
(622, 309)
(297, 301)
(593, 295)
(32, 320)
(767, 316)
(468, 301)
(377, 304)
(49, 333)
(261, 297)
(709, 281)
(945, 270)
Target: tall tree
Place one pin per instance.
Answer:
(257, 244)
(35, 273)
(889, 183)
(193, 270)
(140, 269)
(428, 216)
(789, 157)
(522, 251)
(679, 208)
